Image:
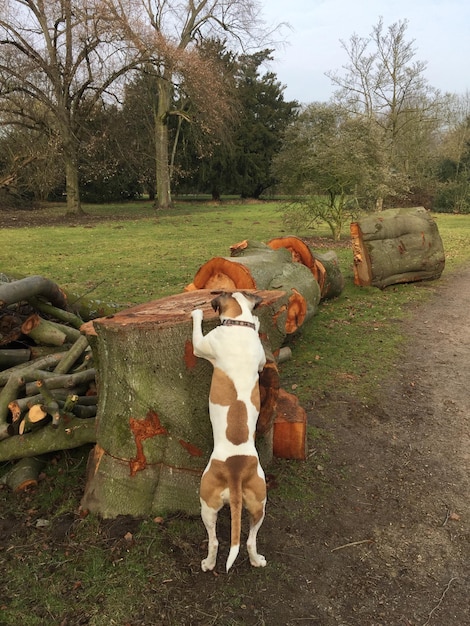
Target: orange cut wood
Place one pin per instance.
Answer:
(290, 428)
(296, 312)
(221, 273)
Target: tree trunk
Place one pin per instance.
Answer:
(396, 246)
(72, 188)
(153, 433)
(162, 144)
(324, 267)
(254, 265)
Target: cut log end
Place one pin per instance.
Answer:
(224, 274)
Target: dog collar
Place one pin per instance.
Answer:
(230, 322)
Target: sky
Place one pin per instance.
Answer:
(440, 30)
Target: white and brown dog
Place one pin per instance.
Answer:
(233, 475)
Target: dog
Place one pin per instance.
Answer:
(233, 474)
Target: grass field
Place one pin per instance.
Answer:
(91, 573)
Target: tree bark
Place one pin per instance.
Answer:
(396, 246)
(72, 187)
(290, 428)
(43, 331)
(26, 288)
(154, 435)
(254, 265)
(24, 473)
(161, 144)
(324, 266)
(70, 433)
(14, 356)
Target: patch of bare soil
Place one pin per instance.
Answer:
(393, 544)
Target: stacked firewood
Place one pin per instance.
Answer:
(47, 376)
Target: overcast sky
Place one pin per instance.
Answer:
(440, 30)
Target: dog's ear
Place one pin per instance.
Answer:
(253, 298)
(216, 303)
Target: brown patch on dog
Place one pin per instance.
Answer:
(237, 423)
(236, 470)
(225, 304)
(255, 397)
(222, 390)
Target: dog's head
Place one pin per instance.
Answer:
(232, 305)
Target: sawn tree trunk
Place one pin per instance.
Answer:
(396, 246)
(153, 430)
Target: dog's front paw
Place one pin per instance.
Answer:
(197, 314)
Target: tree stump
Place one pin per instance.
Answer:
(153, 433)
(396, 246)
(254, 265)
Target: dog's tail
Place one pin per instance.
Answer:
(236, 505)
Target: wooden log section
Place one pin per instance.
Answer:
(324, 266)
(30, 287)
(24, 473)
(257, 266)
(290, 428)
(396, 246)
(153, 434)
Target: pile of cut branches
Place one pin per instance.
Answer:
(47, 379)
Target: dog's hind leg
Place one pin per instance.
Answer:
(257, 560)
(209, 517)
(254, 497)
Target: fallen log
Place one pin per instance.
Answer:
(153, 434)
(396, 246)
(257, 266)
(324, 266)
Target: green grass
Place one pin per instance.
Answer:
(92, 574)
(135, 260)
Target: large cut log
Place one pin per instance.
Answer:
(154, 435)
(324, 266)
(396, 246)
(257, 266)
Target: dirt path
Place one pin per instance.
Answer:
(403, 482)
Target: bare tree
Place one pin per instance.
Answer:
(386, 85)
(58, 58)
(173, 31)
